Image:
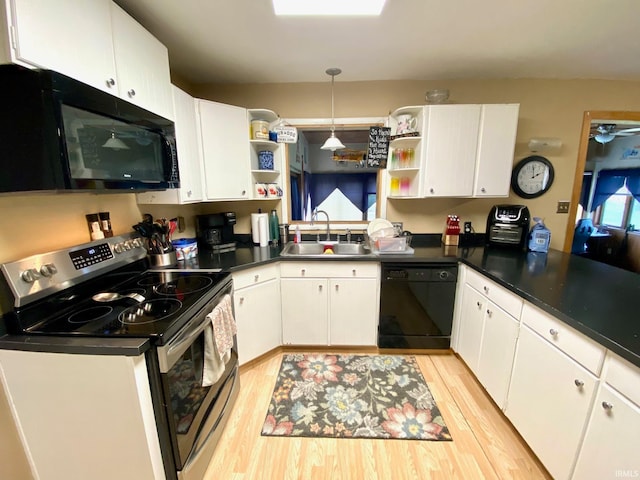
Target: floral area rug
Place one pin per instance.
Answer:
(353, 396)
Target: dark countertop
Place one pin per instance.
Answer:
(601, 301)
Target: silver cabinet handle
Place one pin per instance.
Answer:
(255, 279)
(579, 383)
(110, 82)
(553, 332)
(607, 405)
(131, 93)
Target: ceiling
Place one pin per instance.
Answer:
(241, 41)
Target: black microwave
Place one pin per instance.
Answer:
(57, 133)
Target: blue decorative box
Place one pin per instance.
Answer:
(265, 160)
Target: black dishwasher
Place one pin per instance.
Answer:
(416, 305)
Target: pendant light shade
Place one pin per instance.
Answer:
(115, 143)
(332, 142)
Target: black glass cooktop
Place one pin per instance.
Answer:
(147, 304)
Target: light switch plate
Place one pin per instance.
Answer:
(563, 207)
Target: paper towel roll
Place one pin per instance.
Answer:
(263, 228)
(255, 228)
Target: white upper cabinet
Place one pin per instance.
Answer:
(72, 37)
(449, 149)
(95, 42)
(225, 150)
(189, 156)
(460, 151)
(496, 142)
(142, 65)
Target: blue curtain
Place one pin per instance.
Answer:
(355, 186)
(296, 201)
(608, 183)
(586, 189)
(633, 183)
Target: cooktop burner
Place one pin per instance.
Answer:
(170, 299)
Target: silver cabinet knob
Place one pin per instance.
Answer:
(337, 287)
(131, 93)
(241, 300)
(607, 405)
(483, 190)
(319, 288)
(48, 269)
(255, 278)
(479, 305)
(354, 272)
(489, 312)
(189, 193)
(303, 272)
(486, 289)
(431, 190)
(579, 383)
(553, 332)
(110, 82)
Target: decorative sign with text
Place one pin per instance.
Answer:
(378, 150)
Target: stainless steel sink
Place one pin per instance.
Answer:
(315, 249)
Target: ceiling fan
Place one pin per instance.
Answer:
(606, 132)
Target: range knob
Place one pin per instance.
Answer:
(30, 275)
(118, 248)
(137, 243)
(48, 269)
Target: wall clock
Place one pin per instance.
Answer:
(532, 176)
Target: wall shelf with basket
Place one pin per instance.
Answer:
(266, 156)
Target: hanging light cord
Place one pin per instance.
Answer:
(333, 72)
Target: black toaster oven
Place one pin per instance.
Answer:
(508, 226)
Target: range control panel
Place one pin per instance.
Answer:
(35, 277)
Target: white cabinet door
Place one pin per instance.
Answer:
(305, 311)
(72, 37)
(449, 151)
(257, 312)
(496, 354)
(496, 142)
(225, 150)
(142, 65)
(189, 156)
(353, 311)
(549, 401)
(610, 448)
(471, 325)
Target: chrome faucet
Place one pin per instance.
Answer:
(315, 215)
(348, 235)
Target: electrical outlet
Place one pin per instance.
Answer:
(563, 207)
(467, 227)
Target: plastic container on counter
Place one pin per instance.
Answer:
(186, 248)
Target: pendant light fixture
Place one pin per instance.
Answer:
(332, 142)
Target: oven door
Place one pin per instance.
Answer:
(195, 414)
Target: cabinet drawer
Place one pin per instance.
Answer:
(579, 347)
(623, 376)
(324, 269)
(253, 276)
(509, 302)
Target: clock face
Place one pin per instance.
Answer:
(532, 177)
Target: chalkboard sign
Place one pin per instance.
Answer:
(378, 150)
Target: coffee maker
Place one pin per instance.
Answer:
(215, 231)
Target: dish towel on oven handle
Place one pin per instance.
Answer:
(218, 341)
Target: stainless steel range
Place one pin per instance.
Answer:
(98, 301)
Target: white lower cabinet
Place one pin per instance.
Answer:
(549, 401)
(256, 303)
(487, 334)
(329, 303)
(610, 448)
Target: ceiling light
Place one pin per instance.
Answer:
(328, 7)
(604, 137)
(332, 142)
(115, 143)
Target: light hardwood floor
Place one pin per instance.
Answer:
(484, 446)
